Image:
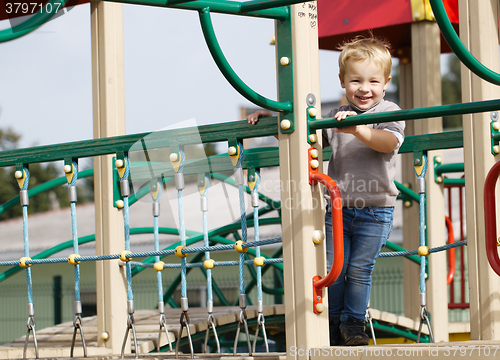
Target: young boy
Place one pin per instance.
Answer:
(363, 164)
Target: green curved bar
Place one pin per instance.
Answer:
(228, 72)
(458, 47)
(254, 5)
(390, 245)
(407, 334)
(29, 25)
(407, 191)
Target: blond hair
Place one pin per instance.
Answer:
(362, 48)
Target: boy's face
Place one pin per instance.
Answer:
(364, 83)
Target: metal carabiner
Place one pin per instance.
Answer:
(260, 323)
(31, 327)
(211, 324)
(130, 326)
(242, 320)
(424, 317)
(184, 320)
(77, 324)
(163, 325)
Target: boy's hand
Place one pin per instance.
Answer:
(341, 115)
(254, 117)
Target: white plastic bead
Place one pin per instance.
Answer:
(285, 124)
(318, 236)
(18, 174)
(284, 61)
(173, 157)
(320, 307)
(313, 112)
(314, 153)
(232, 150)
(119, 204)
(119, 163)
(314, 164)
(67, 169)
(313, 138)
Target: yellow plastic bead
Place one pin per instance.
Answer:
(208, 264)
(423, 251)
(71, 259)
(159, 266)
(439, 179)
(259, 261)
(407, 203)
(123, 255)
(238, 246)
(178, 251)
(22, 262)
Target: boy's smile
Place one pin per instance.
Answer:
(364, 83)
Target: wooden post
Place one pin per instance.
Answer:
(479, 33)
(302, 211)
(426, 91)
(109, 120)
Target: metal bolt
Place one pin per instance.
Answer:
(311, 99)
(318, 298)
(494, 115)
(417, 161)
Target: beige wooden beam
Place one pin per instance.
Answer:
(479, 33)
(302, 212)
(109, 120)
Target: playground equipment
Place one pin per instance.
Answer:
(297, 59)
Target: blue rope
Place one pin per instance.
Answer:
(256, 230)
(26, 237)
(126, 222)
(206, 241)
(200, 265)
(182, 228)
(241, 190)
(157, 244)
(422, 226)
(75, 233)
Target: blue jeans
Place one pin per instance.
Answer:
(365, 233)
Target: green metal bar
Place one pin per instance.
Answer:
(407, 191)
(411, 114)
(460, 181)
(458, 47)
(496, 137)
(228, 72)
(34, 22)
(43, 187)
(216, 6)
(449, 168)
(438, 141)
(254, 5)
(154, 140)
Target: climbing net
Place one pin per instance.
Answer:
(178, 160)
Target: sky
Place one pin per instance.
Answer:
(170, 76)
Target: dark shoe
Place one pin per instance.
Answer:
(353, 333)
(335, 339)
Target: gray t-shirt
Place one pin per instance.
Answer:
(365, 177)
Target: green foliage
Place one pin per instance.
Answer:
(452, 91)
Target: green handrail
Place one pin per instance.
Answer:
(155, 140)
(394, 247)
(458, 47)
(254, 5)
(228, 72)
(449, 168)
(410, 114)
(216, 6)
(32, 23)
